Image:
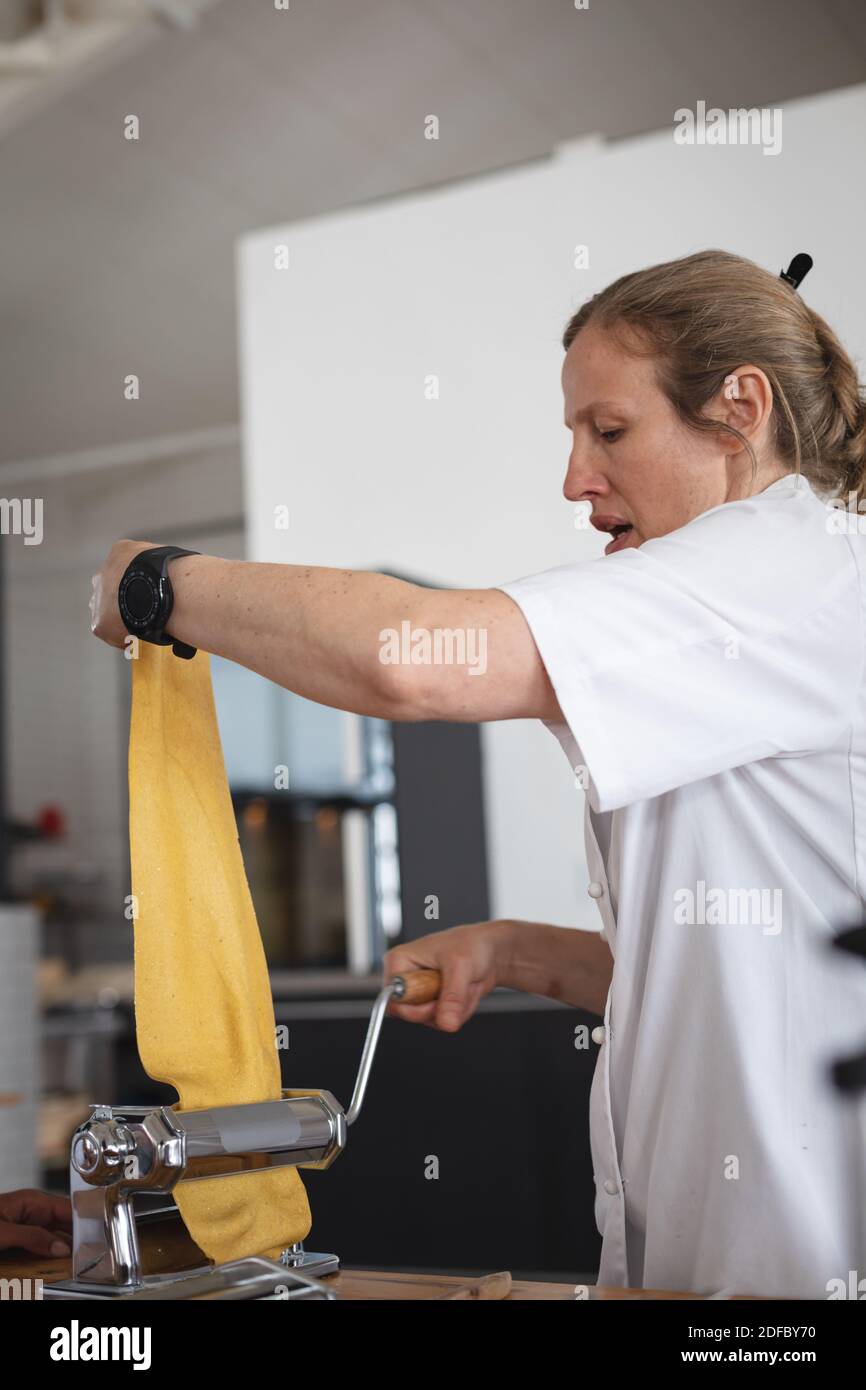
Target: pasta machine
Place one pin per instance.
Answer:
(126, 1160)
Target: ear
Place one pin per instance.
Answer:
(745, 401)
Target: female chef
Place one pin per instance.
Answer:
(705, 677)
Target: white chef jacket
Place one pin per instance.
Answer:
(712, 686)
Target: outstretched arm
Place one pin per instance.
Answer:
(347, 638)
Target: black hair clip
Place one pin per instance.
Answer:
(797, 270)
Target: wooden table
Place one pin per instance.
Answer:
(368, 1284)
(165, 1245)
(372, 1284)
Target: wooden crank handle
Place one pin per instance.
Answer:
(421, 986)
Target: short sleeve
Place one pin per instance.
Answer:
(734, 639)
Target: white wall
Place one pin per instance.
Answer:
(68, 695)
(474, 283)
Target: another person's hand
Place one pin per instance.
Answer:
(35, 1221)
(105, 620)
(470, 959)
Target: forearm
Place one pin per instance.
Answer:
(313, 630)
(562, 963)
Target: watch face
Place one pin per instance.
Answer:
(139, 599)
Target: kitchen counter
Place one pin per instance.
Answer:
(370, 1284)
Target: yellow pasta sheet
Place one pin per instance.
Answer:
(203, 1007)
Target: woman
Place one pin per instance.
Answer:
(705, 678)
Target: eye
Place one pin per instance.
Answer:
(610, 436)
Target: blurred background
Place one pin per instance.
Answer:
(287, 282)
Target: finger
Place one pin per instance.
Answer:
(476, 994)
(32, 1206)
(413, 1013)
(400, 962)
(60, 1209)
(454, 995)
(34, 1239)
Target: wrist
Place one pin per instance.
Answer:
(503, 937)
(193, 576)
(206, 610)
(145, 597)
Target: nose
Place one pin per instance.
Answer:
(583, 480)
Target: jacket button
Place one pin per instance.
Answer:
(611, 1187)
(595, 890)
(597, 1034)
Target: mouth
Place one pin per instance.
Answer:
(618, 530)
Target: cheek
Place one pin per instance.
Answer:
(674, 477)
(651, 477)
(656, 489)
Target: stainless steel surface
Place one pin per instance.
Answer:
(302, 1129)
(394, 988)
(252, 1277)
(128, 1152)
(114, 1154)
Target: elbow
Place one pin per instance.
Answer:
(406, 693)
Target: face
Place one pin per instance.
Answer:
(643, 471)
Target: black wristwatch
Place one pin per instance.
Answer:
(145, 597)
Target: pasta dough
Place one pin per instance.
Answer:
(203, 1007)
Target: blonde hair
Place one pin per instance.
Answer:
(705, 315)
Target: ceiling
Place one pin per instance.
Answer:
(117, 256)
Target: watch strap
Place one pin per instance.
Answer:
(164, 554)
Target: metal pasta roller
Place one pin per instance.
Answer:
(126, 1160)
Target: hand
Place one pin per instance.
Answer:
(35, 1221)
(470, 959)
(105, 620)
